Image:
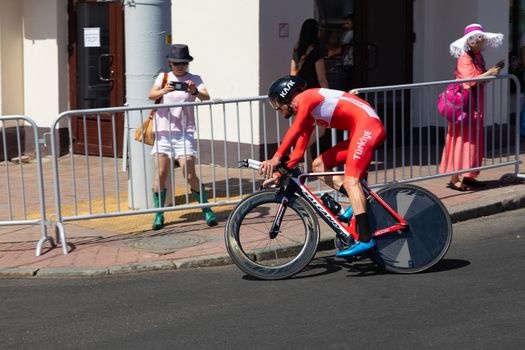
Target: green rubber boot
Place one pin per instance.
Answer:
(159, 217)
(208, 214)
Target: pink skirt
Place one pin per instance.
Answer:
(464, 146)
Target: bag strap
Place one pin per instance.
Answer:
(159, 100)
(303, 58)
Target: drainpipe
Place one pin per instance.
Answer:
(147, 26)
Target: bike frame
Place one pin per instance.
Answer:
(297, 184)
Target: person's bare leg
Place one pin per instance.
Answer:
(334, 182)
(162, 164)
(187, 166)
(357, 198)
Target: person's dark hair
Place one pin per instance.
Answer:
(309, 36)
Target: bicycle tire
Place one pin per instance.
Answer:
(254, 252)
(426, 239)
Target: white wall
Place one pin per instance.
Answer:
(11, 53)
(238, 54)
(45, 59)
(276, 51)
(222, 37)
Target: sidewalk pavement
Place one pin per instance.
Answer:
(96, 252)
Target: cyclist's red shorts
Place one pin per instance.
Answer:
(358, 150)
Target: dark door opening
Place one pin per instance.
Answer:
(382, 48)
(382, 40)
(97, 74)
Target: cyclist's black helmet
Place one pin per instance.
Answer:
(283, 90)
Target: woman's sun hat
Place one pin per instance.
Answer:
(460, 46)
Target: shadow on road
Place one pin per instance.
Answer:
(361, 267)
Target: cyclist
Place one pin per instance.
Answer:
(333, 109)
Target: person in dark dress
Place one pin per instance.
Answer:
(308, 56)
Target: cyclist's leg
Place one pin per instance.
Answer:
(361, 149)
(329, 159)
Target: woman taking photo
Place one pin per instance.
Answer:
(174, 128)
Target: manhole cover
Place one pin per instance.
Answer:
(167, 243)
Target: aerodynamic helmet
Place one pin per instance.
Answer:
(283, 90)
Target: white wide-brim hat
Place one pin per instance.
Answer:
(460, 46)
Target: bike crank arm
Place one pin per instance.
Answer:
(276, 225)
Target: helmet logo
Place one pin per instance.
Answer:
(287, 88)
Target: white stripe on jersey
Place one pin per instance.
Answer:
(369, 110)
(325, 110)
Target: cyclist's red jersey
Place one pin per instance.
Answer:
(339, 110)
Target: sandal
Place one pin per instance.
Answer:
(461, 188)
(472, 182)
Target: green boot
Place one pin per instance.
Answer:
(208, 214)
(159, 203)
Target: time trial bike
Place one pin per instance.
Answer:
(274, 233)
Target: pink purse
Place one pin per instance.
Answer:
(453, 103)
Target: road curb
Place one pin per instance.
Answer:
(498, 204)
(468, 211)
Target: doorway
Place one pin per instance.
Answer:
(382, 48)
(382, 40)
(96, 61)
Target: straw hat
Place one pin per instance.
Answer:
(460, 46)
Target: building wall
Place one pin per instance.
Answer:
(11, 58)
(238, 54)
(236, 45)
(45, 59)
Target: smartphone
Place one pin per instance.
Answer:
(500, 64)
(179, 85)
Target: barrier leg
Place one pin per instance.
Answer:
(61, 236)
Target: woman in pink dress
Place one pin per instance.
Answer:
(464, 141)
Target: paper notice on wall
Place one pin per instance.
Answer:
(91, 37)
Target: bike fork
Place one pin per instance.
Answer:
(276, 225)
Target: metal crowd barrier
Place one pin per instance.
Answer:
(21, 193)
(92, 185)
(94, 181)
(416, 131)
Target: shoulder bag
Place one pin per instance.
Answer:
(145, 133)
(453, 103)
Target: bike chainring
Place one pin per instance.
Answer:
(342, 242)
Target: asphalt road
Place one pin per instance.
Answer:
(473, 299)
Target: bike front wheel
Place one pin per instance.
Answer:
(426, 239)
(253, 250)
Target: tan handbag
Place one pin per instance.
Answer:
(145, 133)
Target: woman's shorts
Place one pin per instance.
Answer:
(175, 145)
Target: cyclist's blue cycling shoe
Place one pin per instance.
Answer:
(356, 249)
(346, 216)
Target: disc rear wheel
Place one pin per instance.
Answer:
(426, 239)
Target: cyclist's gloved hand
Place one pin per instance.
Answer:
(268, 167)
